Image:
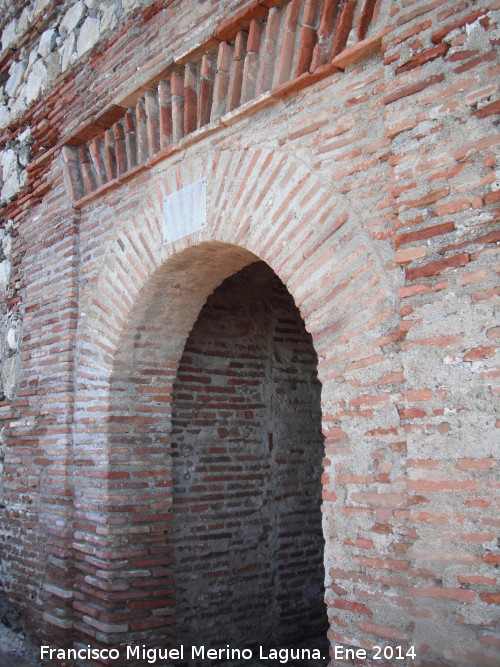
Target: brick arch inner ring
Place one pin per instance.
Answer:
(337, 283)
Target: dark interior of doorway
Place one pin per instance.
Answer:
(247, 462)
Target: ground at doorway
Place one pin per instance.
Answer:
(315, 645)
(14, 651)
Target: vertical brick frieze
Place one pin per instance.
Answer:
(251, 65)
(342, 28)
(131, 139)
(190, 97)
(109, 155)
(287, 43)
(296, 40)
(224, 60)
(307, 36)
(177, 87)
(364, 19)
(97, 154)
(120, 148)
(88, 174)
(311, 13)
(142, 131)
(268, 53)
(236, 78)
(72, 165)
(206, 89)
(153, 121)
(165, 111)
(329, 9)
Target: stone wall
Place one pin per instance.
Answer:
(364, 172)
(44, 40)
(40, 43)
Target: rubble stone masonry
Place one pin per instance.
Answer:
(172, 410)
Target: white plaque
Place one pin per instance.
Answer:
(185, 211)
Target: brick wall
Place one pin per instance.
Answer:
(369, 185)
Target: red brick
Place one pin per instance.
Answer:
(478, 537)
(255, 32)
(96, 152)
(380, 499)
(423, 57)
(268, 55)
(426, 200)
(364, 18)
(342, 28)
(408, 255)
(408, 91)
(484, 295)
(488, 110)
(287, 43)
(306, 48)
(478, 353)
(476, 579)
(473, 277)
(458, 594)
(492, 197)
(236, 77)
(474, 62)
(490, 598)
(474, 147)
(383, 563)
(153, 121)
(384, 631)
(428, 485)
(356, 607)
(437, 267)
(491, 558)
(440, 34)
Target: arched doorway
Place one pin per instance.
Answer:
(139, 312)
(247, 455)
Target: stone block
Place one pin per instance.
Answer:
(108, 16)
(68, 53)
(72, 18)
(10, 174)
(7, 246)
(88, 37)
(15, 79)
(4, 116)
(24, 22)
(12, 338)
(37, 82)
(40, 6)
(18, 105)
(9, 35)
(53, 63)
(47, 42)
(5, 270)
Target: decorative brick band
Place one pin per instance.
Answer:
(269, 49)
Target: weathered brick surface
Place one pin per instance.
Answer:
(372, 193)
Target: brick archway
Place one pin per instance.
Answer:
(139, 310)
